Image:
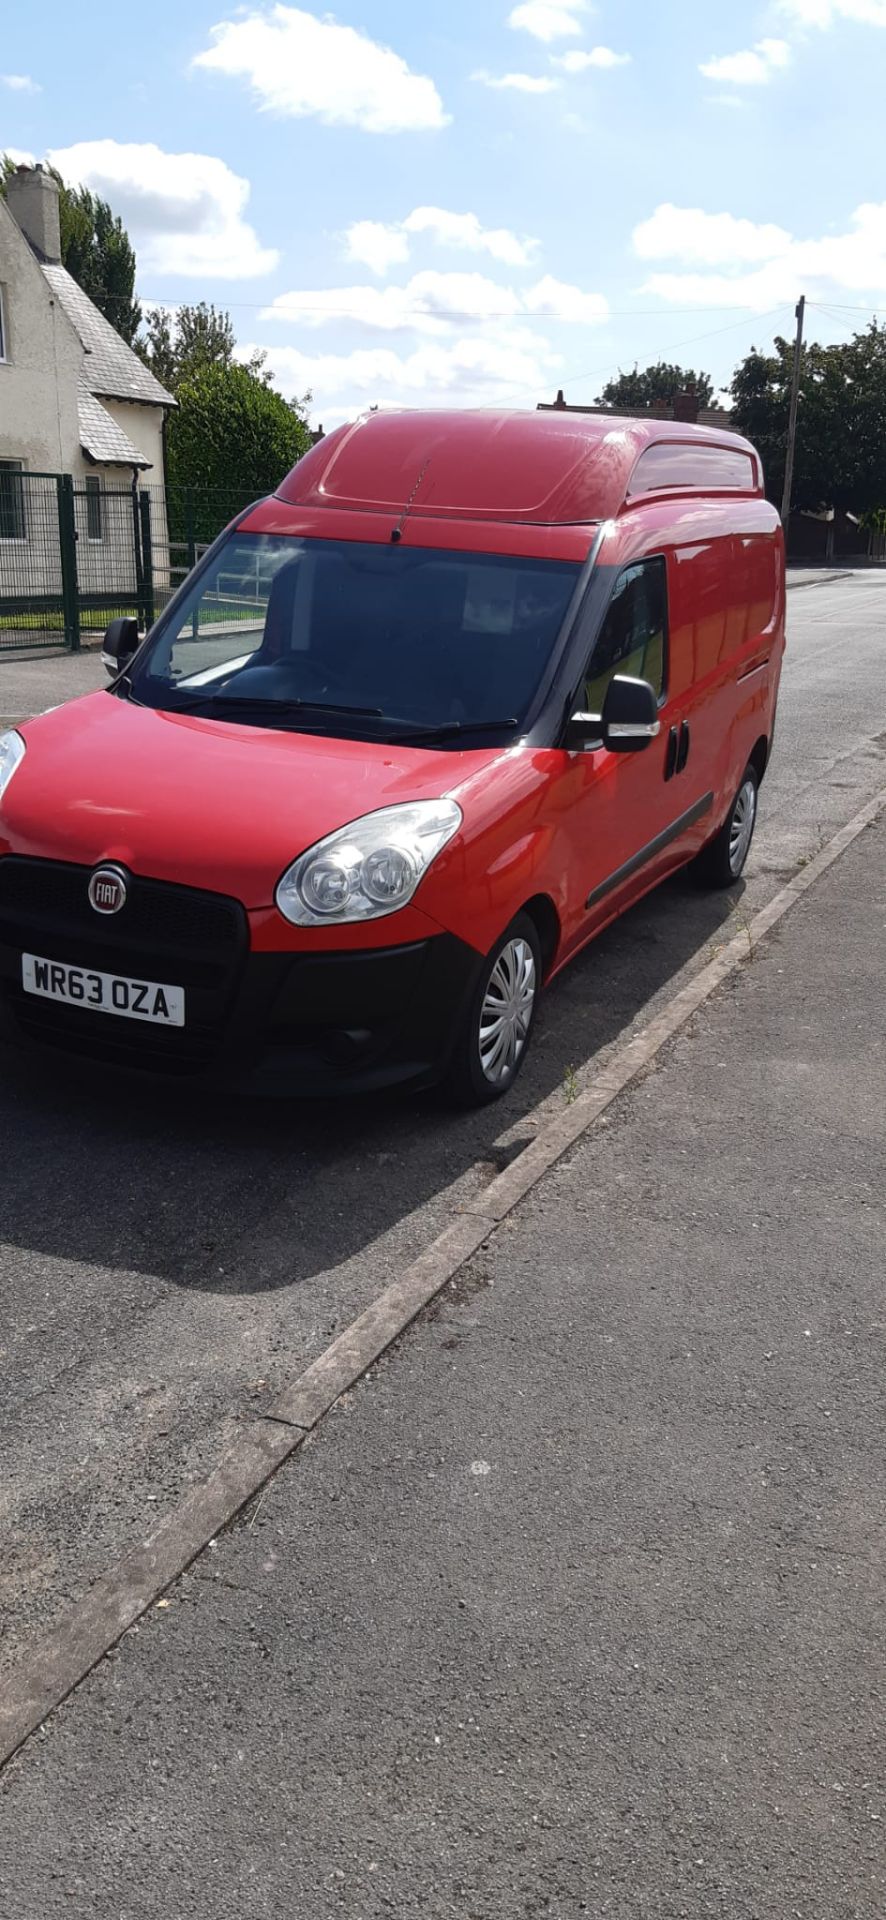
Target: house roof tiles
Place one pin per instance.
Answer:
(101, 437)
(112, 369)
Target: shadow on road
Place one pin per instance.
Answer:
(153, 1179)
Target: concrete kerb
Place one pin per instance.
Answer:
(818, 580)
(117, 1600)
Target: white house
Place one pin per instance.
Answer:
(74, 399)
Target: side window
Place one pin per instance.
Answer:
(94, 520)
(633, 637)
(12, 501)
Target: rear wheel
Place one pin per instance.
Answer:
(495, 1037)
(722, 861)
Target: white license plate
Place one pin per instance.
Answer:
(104, 992)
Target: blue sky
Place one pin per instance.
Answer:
(477, 202)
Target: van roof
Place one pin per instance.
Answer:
(542, 469)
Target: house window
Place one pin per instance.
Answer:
(3, 351)
(12, 501)
(94, 526)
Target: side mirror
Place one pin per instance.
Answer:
(630, 715)
(119, 644)
(583, 731)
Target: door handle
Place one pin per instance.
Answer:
(671, 755)
(683, 748)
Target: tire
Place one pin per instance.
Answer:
(492, 1046)
(721, 863)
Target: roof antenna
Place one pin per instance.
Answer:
(397, 534)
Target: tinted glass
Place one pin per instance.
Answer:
(633, 637)
(694, 469)
(410, 636)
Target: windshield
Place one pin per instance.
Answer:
(348, 638)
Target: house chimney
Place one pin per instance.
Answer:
(32, 199)
(686, 407)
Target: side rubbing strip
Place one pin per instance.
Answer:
(649, 852)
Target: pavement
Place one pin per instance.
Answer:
(809, 575)
(574, 1605)
(30, 682)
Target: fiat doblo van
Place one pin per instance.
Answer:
(414, 730)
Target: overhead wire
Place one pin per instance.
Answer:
(673, 346)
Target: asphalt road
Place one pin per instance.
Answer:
(574, 1606)
(167, 1265)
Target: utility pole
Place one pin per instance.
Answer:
(792, 417)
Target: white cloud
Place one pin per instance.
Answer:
(19, 83)
(556, 300)
(580, 62)
(304, 67)
(184, 211)
(428, 303)
(510, 368)
(777, 265)
(517, 82)
(753, 68)
(464, 230)
(380, 247)
(376, 246)
(710, 239)
(436, 304)
(824, 13)
(19, 157)
(549, 19)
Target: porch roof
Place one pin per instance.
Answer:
(101, 438)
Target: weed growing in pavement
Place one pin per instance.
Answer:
(570, 1086)
(746, 928)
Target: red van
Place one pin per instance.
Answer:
(411, 734)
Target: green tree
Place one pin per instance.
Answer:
(178, 342)
(97, 251)
(231, 433)
(841, 423)
(644, 386)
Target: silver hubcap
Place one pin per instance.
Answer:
(506, 1014)
(744, 814)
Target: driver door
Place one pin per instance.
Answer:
(621, 803)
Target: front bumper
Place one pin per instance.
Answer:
(303, 1023)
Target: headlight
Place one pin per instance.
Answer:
(12, 753)
(368, 869)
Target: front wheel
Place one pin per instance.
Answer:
(722, 861)
(494, 1039)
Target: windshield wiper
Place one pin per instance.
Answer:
(452, 729)
(220, 703)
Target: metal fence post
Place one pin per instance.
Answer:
(147, 545)
(137, 556)
(67, 538)
(189, 528)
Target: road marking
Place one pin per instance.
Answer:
(120, 1597)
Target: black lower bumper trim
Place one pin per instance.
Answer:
(298, 1024)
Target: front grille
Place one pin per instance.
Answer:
(177, 919)
(176, 935)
